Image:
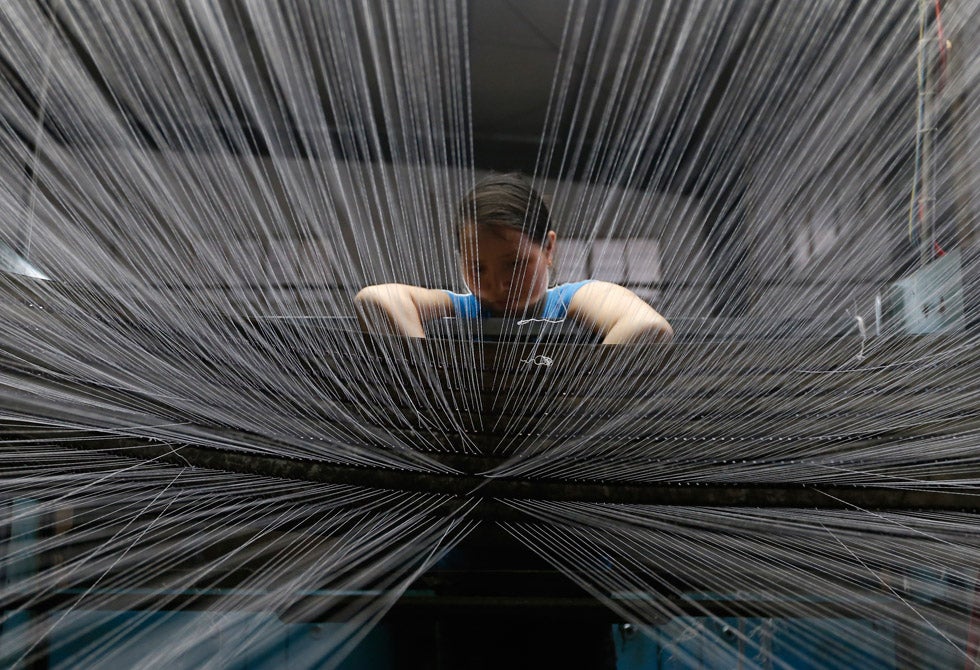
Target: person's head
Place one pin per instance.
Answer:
(506, 243)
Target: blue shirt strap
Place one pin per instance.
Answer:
(558, 299)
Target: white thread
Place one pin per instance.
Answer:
(180, 456)
(540, 360)
(524, 322)
(864, 336)
(862, 331)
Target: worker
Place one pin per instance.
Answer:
(507, 248)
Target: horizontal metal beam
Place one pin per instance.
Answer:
(489, 491)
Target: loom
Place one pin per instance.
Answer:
(205, 462)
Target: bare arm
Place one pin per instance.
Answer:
(399, 309)
(618, 314)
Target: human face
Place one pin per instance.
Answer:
(504, 269)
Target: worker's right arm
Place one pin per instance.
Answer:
(400, 309)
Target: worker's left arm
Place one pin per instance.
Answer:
(618, 314)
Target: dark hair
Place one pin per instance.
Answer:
(506, 200)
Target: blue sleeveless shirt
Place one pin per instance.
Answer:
(557, 299)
